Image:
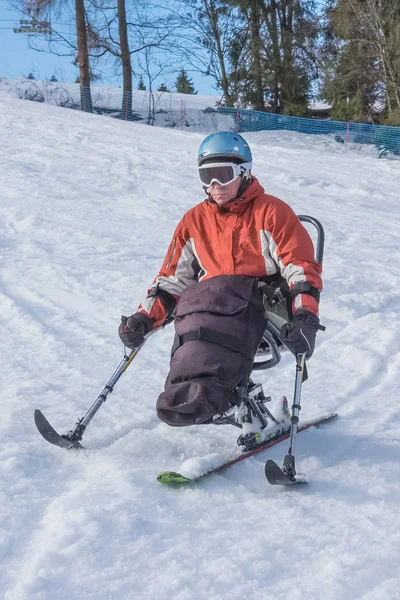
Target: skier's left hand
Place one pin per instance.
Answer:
(299, 334)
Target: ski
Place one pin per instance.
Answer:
(173, 478)
(51, 435)
(276, 476)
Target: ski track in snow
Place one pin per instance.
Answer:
(88, 207)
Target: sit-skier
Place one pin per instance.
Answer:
(209, 284)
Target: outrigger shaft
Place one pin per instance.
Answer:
(287, 475)
(73, 438)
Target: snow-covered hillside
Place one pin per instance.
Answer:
(88, 206)
(164, 109)
(108, 96)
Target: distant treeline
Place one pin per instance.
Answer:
(268, 55)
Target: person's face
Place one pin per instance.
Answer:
(221, 194)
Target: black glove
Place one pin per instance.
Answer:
(299, 334)
(133, 329)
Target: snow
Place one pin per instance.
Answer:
(170, 109)
(88, 206)
(109, 96)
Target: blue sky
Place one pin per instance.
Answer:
(18, 59)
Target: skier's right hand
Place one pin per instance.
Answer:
(133, 329)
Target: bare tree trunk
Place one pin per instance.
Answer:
(286, 23)
(277, 104)
(83, 57)
(126, 61)
(212, 15)
(256, 55)
(278, 17)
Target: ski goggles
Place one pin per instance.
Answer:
(222, 173)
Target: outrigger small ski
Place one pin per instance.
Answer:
(51, 435)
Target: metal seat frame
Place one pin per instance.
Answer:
(271, 344)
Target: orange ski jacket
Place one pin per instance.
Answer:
(256, 235)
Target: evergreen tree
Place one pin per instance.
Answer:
(163, 88)
(362, 61)
(274, 55)
(141, 85)
(30, 75)
(350, 73)
(183, 84)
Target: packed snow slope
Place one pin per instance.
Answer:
(88, 206)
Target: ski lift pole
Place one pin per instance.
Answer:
(289, 461)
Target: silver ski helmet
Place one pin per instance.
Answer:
(225, 146)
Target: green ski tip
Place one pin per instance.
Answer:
(169, 477)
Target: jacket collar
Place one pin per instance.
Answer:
(239, 205)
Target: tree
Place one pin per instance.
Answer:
(278, 55)
(163, 88)
(79, 47)
(125, 60)
(30, 75)
(141, 85)
(124, 33)
(82, 58)
(108, 35)
(381, 20)
(261, 53)
(154, 68)
(362, 59)
(183, 84)
(208, 30)
(350, 74)
(218, 33)
(255, 49)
